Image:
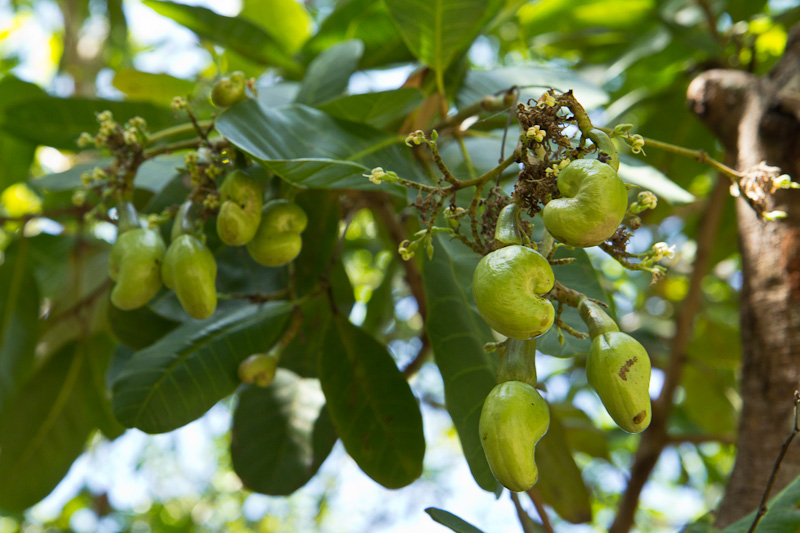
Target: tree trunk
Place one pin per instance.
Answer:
(758, 121)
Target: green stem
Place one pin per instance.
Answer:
(180, 129)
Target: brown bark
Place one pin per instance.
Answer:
(757, 120)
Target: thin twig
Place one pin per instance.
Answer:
(525, 520)
(533, 494)
(762, 507)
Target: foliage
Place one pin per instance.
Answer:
(381, 173)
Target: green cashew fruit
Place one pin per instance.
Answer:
(240, 213)
(135, 265)
(507, 230)
(508, 285)
(593, 203)
(258, 369)
(618, 369)
(228, 90)
(606, 147)
(190, 270)
(513, 419)
(277, 241)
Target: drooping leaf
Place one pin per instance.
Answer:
(329, 73)
(437, 30)
(287, 21)
(58, 122)
(371, 405)
(319, 237)
(648, 178)
(273, 434)
(236, 33)
(451, 521)
(457, 335)
(782, 513)
(19, 315)
(379, 109)
(159, 89)
(139, 328)
(180, 377)
(45, 427)
(310, 149)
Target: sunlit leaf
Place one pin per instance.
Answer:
(648, 178)
(148, 87)
(287, 21)
(451, 521)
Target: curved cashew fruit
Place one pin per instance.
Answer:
(241, 200)
(277, 241)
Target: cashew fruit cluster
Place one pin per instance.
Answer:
(618, 369)
(134, 263)
(593, 203)
(228, 90)
(239, 216)
(277, 241)
(513, 419)
(508, 287)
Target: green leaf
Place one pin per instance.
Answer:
(47, 424)
(139, 328)
(236, 33)
(581, 276)
(648, 178)
(457, 334)
(16, 154)
(287, 21)
(451, 521)
(560, 483)
(367, 21)
(371, 405)
(273, 434)
(533, 80)
(309, 149)
(19, 320)
(153, 175)
(328, 75)
(708, 397)
(58, 122)
(437, 30)
(581, 433)
(782, 514)
(319, 238)
(159, 89)
(180, 377)
(379, 109)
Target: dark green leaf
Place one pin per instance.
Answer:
(457, 335)
(139, 328)
(273, 434)
(380, 109)
(310, 149)
(437, 30)
(451, 521)
(19, 316)
(236, 33)
(180, 377)
(47, 424)
(371, 405)
(59, 121)
(328, 75)
(153, 174)
(782, 516)
(319, 238)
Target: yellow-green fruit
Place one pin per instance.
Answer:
(508, 285)
(135, 265)
(618, 369)
(241, 200)
(190, 270)
(592, 204)
(258, 369)
(277, 241)
(228, 90)
(513, 419)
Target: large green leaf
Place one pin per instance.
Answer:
(153, 175)
(310, 149)
(371, 405)
(457, 335)
(379, 109)
(581, 276)
(19, 315)
(367, 21)
(159, 89)
(782, 516)
(648, 178)
(533, 80)
(451, 521)
(16, 154)
(274, 431)
(236, 33)
(319, 238)
(328, 75)
(48, 422)
(437, 30)
(287, 21)
(139, 328)
(180, 377)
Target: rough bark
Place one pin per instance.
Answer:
(758, 120)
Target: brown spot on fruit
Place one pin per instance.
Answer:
(623, 371)
(639, 418)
